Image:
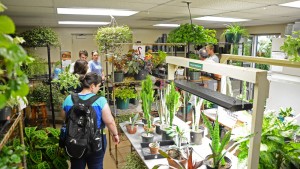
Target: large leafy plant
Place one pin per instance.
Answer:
(108, 38)
(45, 152)
(291, 46)
(13, 81)
(67, 81)
(191, 33)
(277, 146)
(40, 37)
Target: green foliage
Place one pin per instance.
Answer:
(277, 146)
(236, 30)
(67, 81)
(132, 121)
(195, 34)
(13, 80)
(172, 101)
(285, 112)
(159, 58)
(134, 161)
(10, 156)
(291, 46)
(40, 37)
(44, 150)
(58, 98)
(207, 104)
(218, 145)
(36, 68)
(147, 97)
(177, 131)
(107, 37)
(264, 50)
(125, 93)
(38, 94)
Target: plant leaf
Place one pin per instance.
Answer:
(7, 26)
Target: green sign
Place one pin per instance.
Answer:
(195, 65)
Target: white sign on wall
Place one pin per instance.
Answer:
(140, 49)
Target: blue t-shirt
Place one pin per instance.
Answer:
(98, 105)
(95, 67)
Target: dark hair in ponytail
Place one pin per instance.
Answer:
(89, 79)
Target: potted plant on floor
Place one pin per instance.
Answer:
(197, 132)
(147, 97)
(154, 147)
(234, 32)
(122, 95)
(132, 125)
(291, 46)
(217, 159)
(172, 103)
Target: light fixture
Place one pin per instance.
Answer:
(294, 4)
(167, 25)
(81, 23)
(95, 11)
(220, 19)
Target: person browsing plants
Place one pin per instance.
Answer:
(95, 65)
(83, 54)
(86, 116)
(212, 56)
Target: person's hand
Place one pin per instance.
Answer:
(116, 139)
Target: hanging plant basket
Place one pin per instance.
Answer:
(40, 37)
(108, 38)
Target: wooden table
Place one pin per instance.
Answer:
(201, 151)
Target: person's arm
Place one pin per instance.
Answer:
(110, 123)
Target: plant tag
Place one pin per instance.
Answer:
(196, 65)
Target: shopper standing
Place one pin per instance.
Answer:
(91, 84)
(83, 54)
(211, 54)
(95, 65)
(80, 68)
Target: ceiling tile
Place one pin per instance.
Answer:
(269, 2)
(276, 11)
(41, 3)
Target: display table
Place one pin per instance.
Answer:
(200, 151)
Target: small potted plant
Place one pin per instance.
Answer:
(119, 63)
(217, 159)
(154, 147)
(234, 32)
(291, 46)
(157, 60)
(122, 95)
(197, 132)
(138, 66)
(194, 74)
(132, 126)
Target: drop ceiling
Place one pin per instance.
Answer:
(261, 12)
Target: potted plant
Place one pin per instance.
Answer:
(133, 160)
(109, 38)
(172, 102)
(40, 37)
(120, 64)
(154, 147)
(147, 97)
(291, 46)
(234, 32)
(192, 33)
(44, 149)
(122, 95)
(37, 68)
(197, 132)
(11, 155)
(158, 59)
(217, 159)
(283, 113)
(132, 126)
(138, 66)
(67, 81)
(275, 133)
(194, 74)
(14, 81)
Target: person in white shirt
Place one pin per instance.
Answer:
(83, 54)
(212, 56)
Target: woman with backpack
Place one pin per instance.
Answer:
(83, 142)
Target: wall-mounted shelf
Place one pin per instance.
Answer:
(220, 99)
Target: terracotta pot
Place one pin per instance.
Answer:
(153, 150)
(130, 129)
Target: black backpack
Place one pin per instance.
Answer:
(82, 135)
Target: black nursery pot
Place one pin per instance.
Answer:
(4, 113)
(147, 138)
(197, 136)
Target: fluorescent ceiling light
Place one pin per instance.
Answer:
(295, 4)
(82, 23)
(95, 11)
(167, 25)
(220, 19)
